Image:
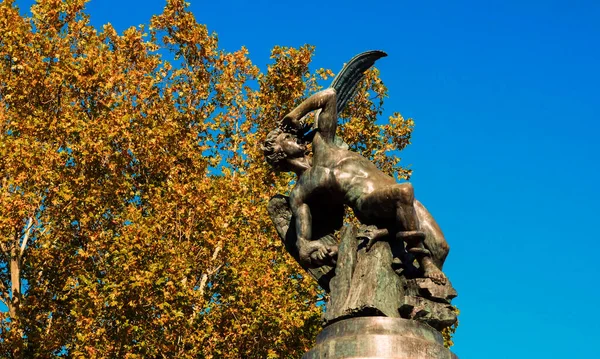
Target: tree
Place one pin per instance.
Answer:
(133, 189)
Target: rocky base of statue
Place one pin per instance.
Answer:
(383, 281)
(376, 283)
(379, 337)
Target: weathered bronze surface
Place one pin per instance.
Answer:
(367, 283)
(390, 266)
(337, 176)
(379, 337)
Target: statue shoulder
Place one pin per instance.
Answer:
(298, 193)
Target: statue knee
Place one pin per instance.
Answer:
(444, 248)
(406, 193)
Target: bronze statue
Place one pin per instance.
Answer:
(369, 271)
(338, 176)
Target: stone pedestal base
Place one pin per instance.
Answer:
(379, 337)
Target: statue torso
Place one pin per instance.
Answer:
(340, 175)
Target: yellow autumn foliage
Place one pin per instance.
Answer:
(133, 190)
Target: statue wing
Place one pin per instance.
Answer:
(345, 84)
(346, 81)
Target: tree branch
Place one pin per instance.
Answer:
(49, 323)
(204, 280)
(26, 237)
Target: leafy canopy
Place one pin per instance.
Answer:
(133, 189)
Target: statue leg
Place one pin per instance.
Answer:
(393, 206)
(389, 206)
(435, 241)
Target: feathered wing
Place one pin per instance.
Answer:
(347, 80)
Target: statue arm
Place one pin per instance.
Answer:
(303, 219)
(312, 253)
(303, 225)
(327, 119)
(341, 91)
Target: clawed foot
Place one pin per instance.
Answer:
(371, 235)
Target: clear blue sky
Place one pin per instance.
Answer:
(506, 99)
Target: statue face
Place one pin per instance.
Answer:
(290, 145)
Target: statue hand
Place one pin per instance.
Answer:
(290, 123)
(316, 254)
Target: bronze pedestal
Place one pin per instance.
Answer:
(379, 337)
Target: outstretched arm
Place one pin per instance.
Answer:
(327, 121)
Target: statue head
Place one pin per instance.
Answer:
(279, 146)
